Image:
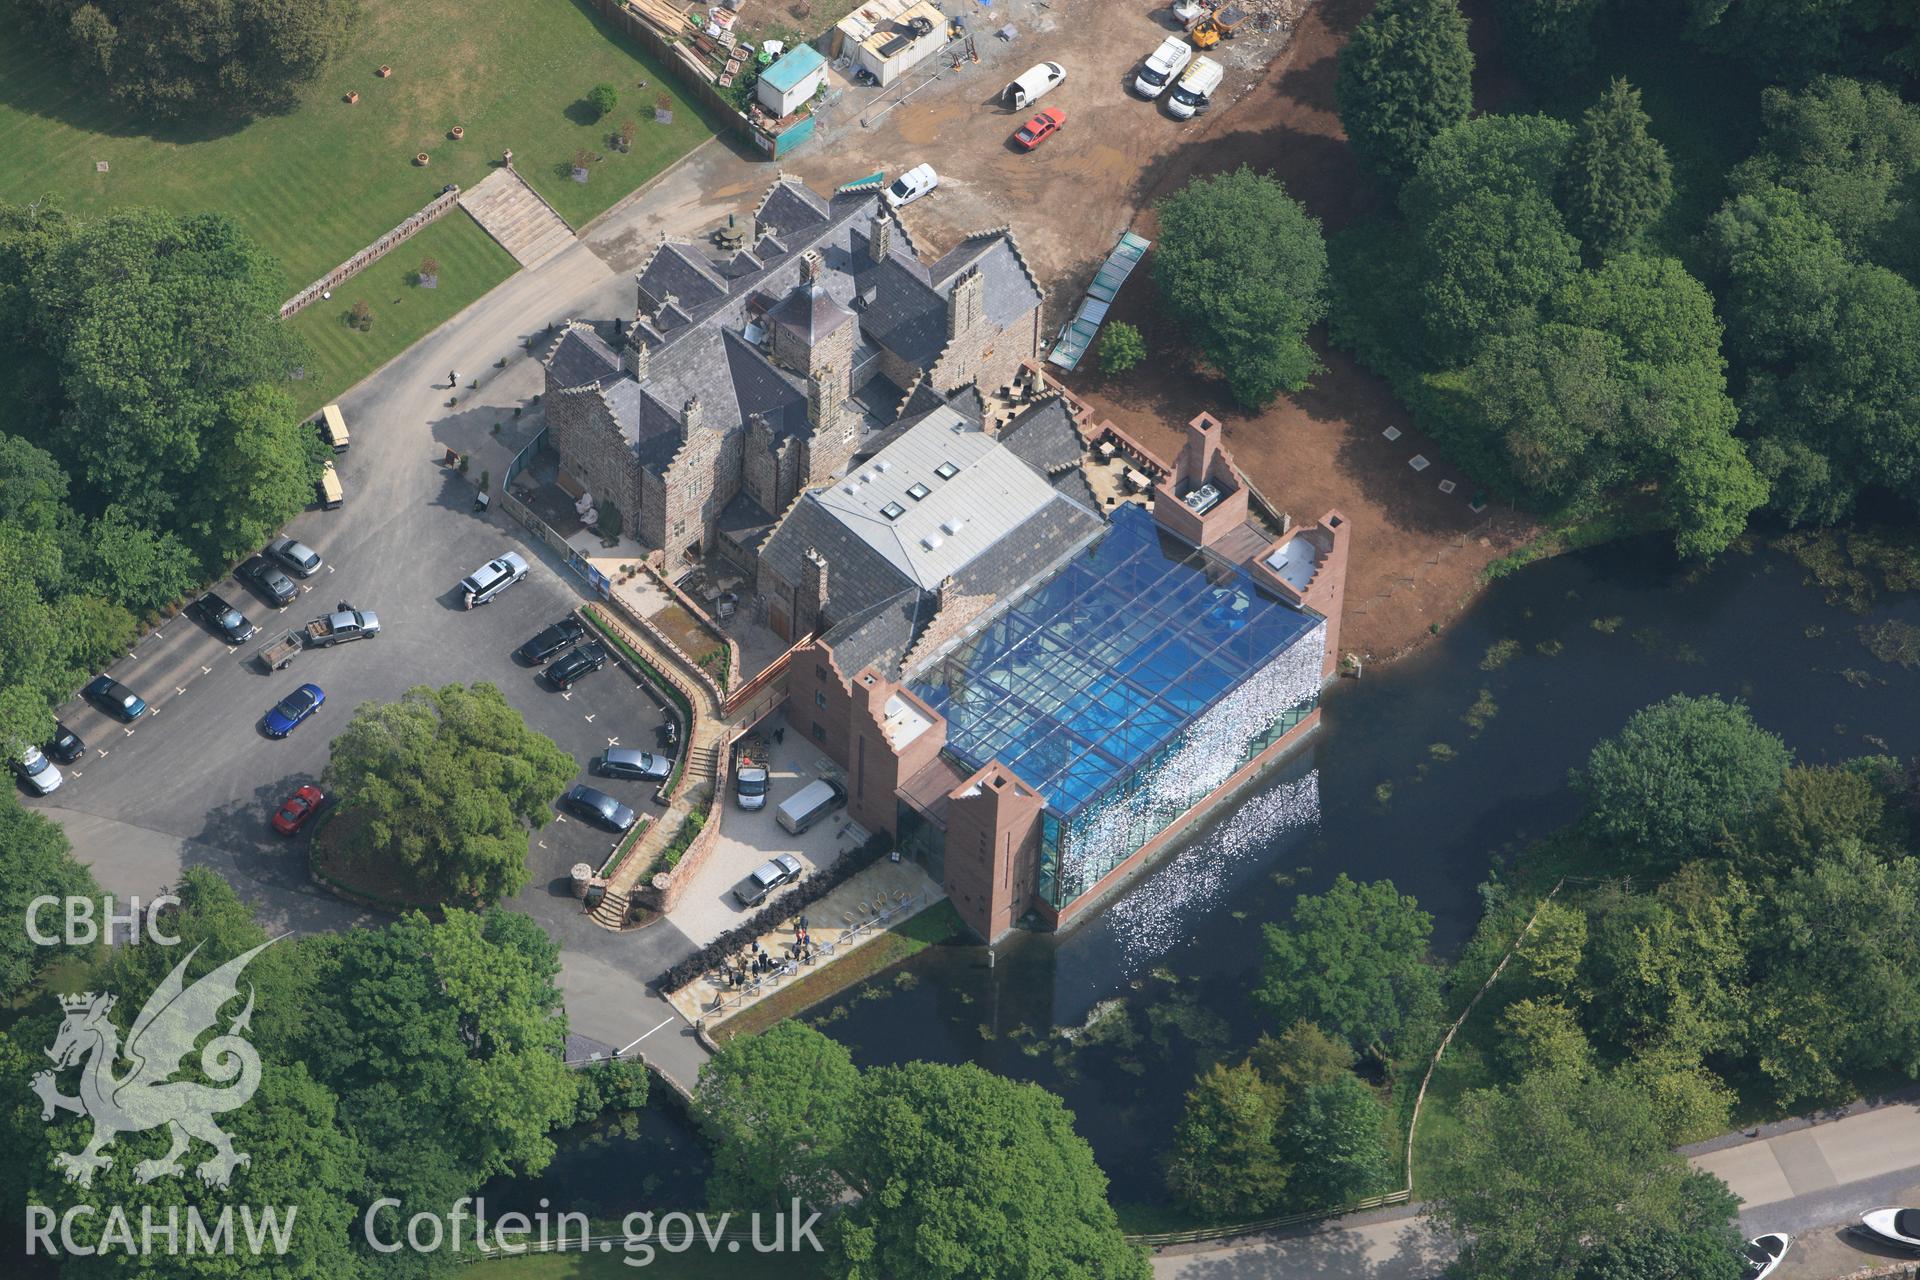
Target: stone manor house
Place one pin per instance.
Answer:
(744, 380)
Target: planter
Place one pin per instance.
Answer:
(457, 132)
(384, 71)
(579, 174)
(352, 97)
(422, 160)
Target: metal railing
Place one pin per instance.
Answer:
(901, 904)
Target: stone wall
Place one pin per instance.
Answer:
(596, 453)
(360, 261)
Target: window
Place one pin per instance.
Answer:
(821, 674)
(893, 511)
(918, 491)
(819, 698)
(819, 733)
(946, 471)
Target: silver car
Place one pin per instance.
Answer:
(630, 762)
(297, 556)
(37, 773)
(491, 578)
(783, 869)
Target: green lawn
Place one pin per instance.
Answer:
(470, 264)
(316, 184)
(695, 1264)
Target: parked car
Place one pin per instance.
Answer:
(268, 579)
(228, 622)
(783, 869)
(582, 661)
(1161, 66)
(37, 773)
(297, 808)
(290, 711)
(596, 805)
(750, 788)
(1763, 1255)
(1895, 1226)
(297, 556)
(491, 578)
(1040, 128)
(911, 185)
(115, 698)
(65, 746)
(631, 762)
(558, 638)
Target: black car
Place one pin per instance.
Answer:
(232, 625)
(115, 698)
(269, 580)
(587, 658)
(558, 638)
(65, 745)
(597, 806)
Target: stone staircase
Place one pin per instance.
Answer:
(612, 911)
(514, 214)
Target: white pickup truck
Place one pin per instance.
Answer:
(1161, 66)
(1194, 90)
(339, 627)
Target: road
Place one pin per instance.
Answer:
(1810, 1179)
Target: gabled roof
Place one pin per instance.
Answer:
(680, 272)
(1044, 437)
(579, 358)
(1010, 292)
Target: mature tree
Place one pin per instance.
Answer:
(1121, 347)
(1405, 74)
(1550, 953)
(133, 563)
(1242, 269)
(1618, 178)
(1670, 968)
(1336, 1137)
(1542, 1035)
(1677, 776)
(37, 861)
(1788, 39)
(1554, 397)
(1300, 1057)
(444, 1044)
(261, 466)
(1548, 41)
(1353, 960)
(184, 57)
(443, 784)
(1224, 1163)
(774, 1108)
(1819, 807)
(1839, 975)
(1546, 1169)
(1689, 1102)
(964, 1173)
(1710, 1252)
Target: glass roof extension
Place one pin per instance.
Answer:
(1084, 678)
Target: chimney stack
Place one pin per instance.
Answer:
(634, 356)
(690, 418)
(966, 305)
(811, 598)
(880, 236)
(810, 267)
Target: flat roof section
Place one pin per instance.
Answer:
(1295, 562)
(1079, 682)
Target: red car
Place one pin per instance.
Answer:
(1040, 128)
(297, 808)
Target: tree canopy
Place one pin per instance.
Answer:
(1353, 960)
(193, 57)
(1618, 178)
(444, 784)
(1405, 75)
(1242, 269)
(775, 1109)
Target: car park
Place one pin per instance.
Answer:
(227, 622)
(596, 805)
(1899, 1227)
(1161, 66)
(269, 580)
(297, 808)
(583, 661)
(293, 710)
(1763, 1255)
(750, 788)
(65, 746)
(37, 773)
(809, 804)
(1040, 128)
(558, 638)
(631, 762)
(115, 698)
(782, 869)
(491, 578)
(302, 559)
(911, 185)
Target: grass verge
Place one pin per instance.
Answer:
(938, 923)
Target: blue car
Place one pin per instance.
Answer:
(115, 698)
(292, 709)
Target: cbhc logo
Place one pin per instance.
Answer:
(83, 929)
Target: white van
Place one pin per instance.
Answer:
(810, 804)
(1195, 88)
(1034, 82)
(1161, 66)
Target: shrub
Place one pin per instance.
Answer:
(1121, 348)
(360, 316)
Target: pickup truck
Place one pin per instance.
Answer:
(338, 628)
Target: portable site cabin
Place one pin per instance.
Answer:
(795, 77)
(888, 38)
(333, 429)
(331, 493)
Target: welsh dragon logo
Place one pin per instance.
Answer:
(145, 1097)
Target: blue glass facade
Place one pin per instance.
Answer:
(1124, 688)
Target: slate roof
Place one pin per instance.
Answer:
(1044, 437)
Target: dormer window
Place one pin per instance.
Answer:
(917, 491)
(946, 471)
(893, 511)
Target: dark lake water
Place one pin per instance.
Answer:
(1164, 973)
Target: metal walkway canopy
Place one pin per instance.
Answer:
(1077, 335)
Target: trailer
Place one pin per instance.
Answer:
(279, 655)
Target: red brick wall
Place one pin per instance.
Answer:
(993, 849)
(874, 770)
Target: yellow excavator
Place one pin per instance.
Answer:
(1215, 27)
